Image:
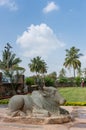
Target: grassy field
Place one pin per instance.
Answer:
(73, 94)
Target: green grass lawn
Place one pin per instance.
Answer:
(73, 94)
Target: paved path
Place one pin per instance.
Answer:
(79, 114)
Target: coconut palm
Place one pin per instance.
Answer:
(37, 65)
(72, 58)
(43, 67)
(53, 75)
(62, 73)
(9, 60)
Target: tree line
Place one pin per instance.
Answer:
(9, 63)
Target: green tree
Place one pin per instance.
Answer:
(62, 73)
(72, 58)
(49, 81)
(53, 75)
(10, 64)
(38, 65)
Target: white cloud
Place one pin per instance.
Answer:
(9, 4)
(39, 40)
(50, 7)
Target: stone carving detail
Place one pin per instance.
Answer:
(41, 103)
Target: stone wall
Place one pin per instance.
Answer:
(6, 88)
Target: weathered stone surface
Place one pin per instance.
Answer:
(42, 103)
(37, 120)
(41, 107)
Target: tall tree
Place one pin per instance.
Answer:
(53, 75)
(10, 64)
(38, 65)
(72, 58)
(62, 73)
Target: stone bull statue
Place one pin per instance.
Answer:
(44, 102)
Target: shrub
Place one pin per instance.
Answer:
(75, 104)
(49, 81)
(4, 101)
(29, 81)
(77, 81)
(63, 80)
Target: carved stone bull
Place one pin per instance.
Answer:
(43, 102)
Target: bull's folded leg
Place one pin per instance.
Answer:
(41, 113)
(16, 113)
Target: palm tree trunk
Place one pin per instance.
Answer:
(74, 72)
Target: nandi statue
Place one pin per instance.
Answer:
(43, 103)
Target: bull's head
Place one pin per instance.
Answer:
(51, 92)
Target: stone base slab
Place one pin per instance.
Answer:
(37, 120)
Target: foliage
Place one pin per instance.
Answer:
(63, 80)
(79, 72)
(49, 81)
(77, 81)
(72, 58)
(4, 101)
(75, 104)
(53, 75)
(10, 64)
(29, 81)
(62, 73)
(38, 65)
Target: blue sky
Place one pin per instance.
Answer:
(43, 28)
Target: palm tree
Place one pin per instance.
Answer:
(62, 72)
(43, 67)
(9, 60)
(9, 64)
(53, 75)
(39, 66)
(72, 58)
